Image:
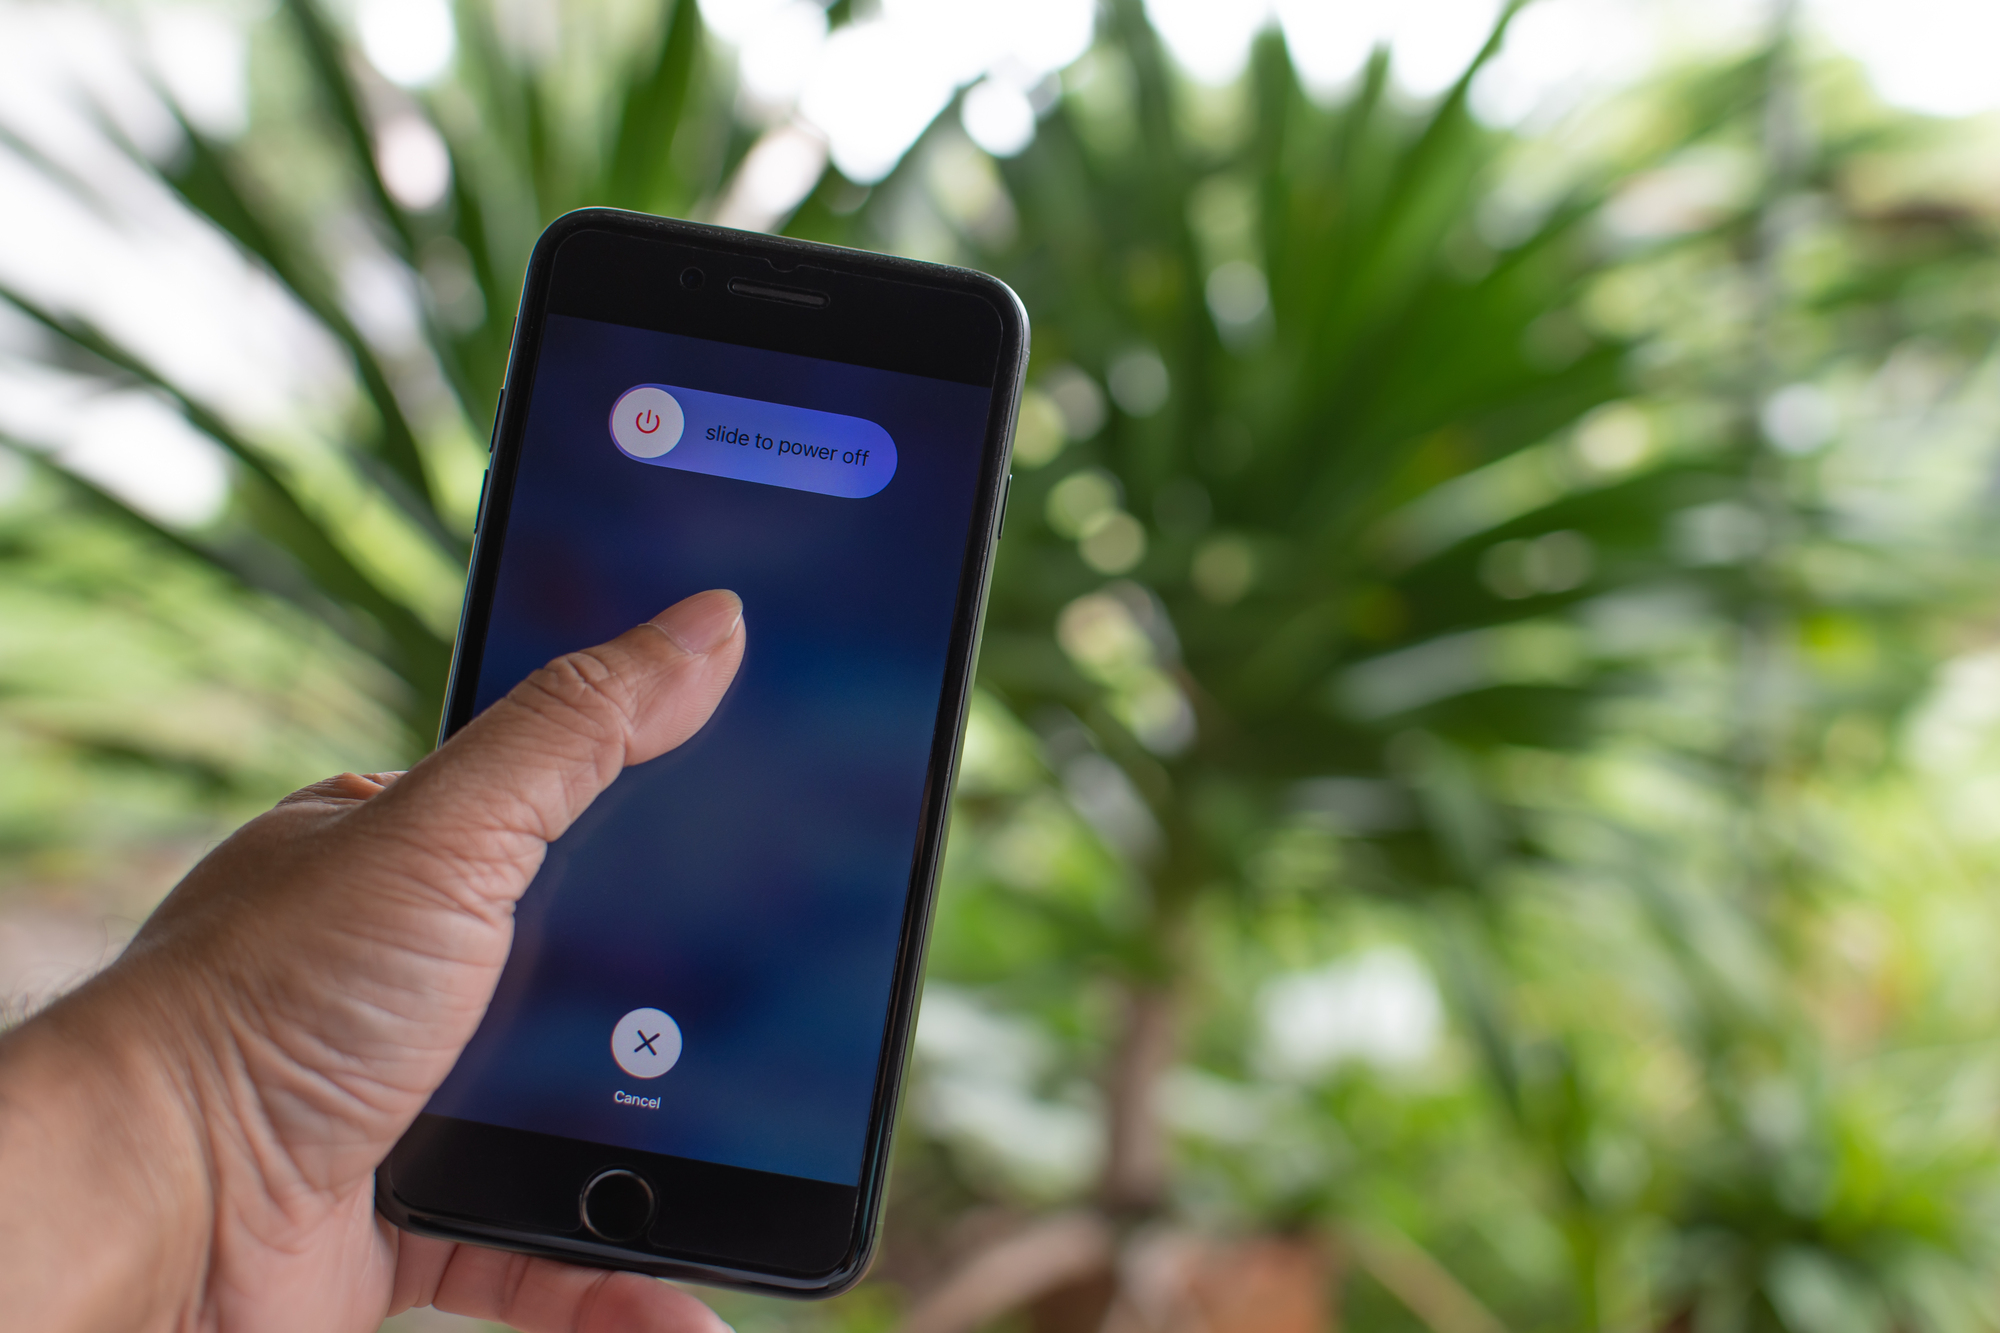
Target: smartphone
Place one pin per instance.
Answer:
(692, 1062)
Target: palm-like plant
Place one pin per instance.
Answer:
(518, 157)
(1246, 593)
(1354, 545)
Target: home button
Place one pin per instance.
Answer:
(617, 1205)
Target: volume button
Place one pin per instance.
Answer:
(479, 516)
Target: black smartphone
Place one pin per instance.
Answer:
(692, 1062)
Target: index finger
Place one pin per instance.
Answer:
(546, 1296)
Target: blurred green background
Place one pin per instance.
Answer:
(1482, 810)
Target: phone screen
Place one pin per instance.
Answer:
(703, 966)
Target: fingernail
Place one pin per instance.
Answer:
(700, 623)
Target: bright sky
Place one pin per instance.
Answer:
(869, 89)
(861, 95)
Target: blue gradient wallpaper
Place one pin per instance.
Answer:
(752, 883)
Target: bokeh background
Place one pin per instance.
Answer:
(1482, 811)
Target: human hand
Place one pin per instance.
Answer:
(190, 1140)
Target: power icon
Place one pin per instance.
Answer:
(647, 421)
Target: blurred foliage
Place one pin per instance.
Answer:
(1481, 765)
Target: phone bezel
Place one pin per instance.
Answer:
(644, 290)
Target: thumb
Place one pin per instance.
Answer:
(518, 775)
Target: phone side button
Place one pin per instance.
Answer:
(616, 1205)
(479, 516)
(1006, 494)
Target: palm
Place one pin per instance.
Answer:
(344, 999)
(312, 981)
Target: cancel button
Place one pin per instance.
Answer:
(624, 1098)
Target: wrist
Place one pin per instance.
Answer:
(106, 1213)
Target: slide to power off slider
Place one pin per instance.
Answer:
(771, 444)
